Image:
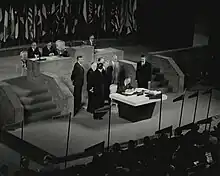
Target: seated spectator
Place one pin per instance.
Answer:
(49, 50)
(33, 51)
(129, 157)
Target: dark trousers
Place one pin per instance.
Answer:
(90, 107)
(77, 98)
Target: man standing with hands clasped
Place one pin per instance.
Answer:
(143, 73)
(77, 78)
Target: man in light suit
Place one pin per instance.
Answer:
(77, 78)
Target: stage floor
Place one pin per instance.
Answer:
(51, 135)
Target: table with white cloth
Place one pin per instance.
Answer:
(136, 107)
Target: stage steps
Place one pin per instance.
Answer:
(38, 103)
(159, 82)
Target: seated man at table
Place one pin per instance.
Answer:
(61, 48)
(33, 51)
(49, 50)
(125, 86)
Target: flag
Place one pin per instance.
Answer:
(1, 16)
(44, 11)
(196, 94)
(181, 97)
(103, 16)
(134, 15)
(12, 22)
(30, 24)
(1, 26)
(208, 91)
(61, 6)
(128, 17)
(16, 25)
(5, 37)
(74, 26)
(90, 13)
(85, 10)
(67, 18)
(44, 20)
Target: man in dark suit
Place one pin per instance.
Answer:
(91, 41)
(99, 88)
(143, 72)
(108, 79)
(77, 78)
(90, 87)
(33, 51)
(49, 50)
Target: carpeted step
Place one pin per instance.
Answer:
(159, 77)
(155, 70)
(25, 92)
(20, 91)
(36, 99)
(40, 107)
(43, 115)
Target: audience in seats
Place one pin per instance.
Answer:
(193, 153)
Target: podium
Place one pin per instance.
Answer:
(60, 68)
(108, 53)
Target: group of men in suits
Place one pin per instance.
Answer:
(99, 78)
(48, 50)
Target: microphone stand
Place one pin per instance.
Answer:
(22, 138)
(208, 109)
(160, 113)
(181, 111)
(109, 127)
(195, 110)
(68, 138)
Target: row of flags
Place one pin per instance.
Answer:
(34, 22)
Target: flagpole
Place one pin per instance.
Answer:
(181, 111)
(68, 137)
(109, 126)
(195, 110)
(22, 137)
(160, 113)
(208, 109)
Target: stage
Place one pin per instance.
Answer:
(51, 135)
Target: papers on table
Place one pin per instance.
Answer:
(137, 100)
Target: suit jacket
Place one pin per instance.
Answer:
(77, 76)
(90, 79)
(31, 53)
(99, 83)
(143, 73)
(91, 44)
(47, 52)
(64, 53)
